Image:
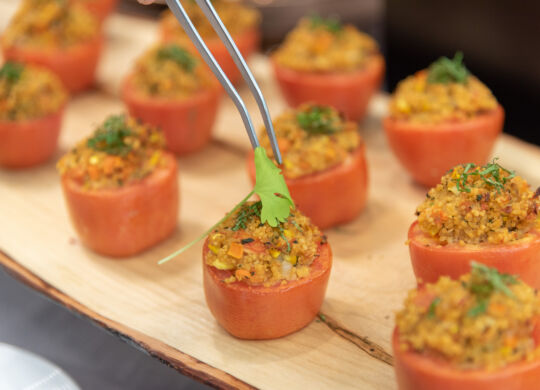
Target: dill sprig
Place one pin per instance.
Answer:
(446, 70)
(484, 282)
(178, 55)
(245, 213)
(489, 173)
(317, 120)
(331, 24)
(11, 72)
(110, 137)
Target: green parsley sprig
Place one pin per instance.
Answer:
(274, 207)
(489, 173)
(110, 137)
(11, 72)
(484, 282)
(318, 120)
(446, 70)
(178, 55)
(331, 24)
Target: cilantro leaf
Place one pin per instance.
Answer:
(268, 182)
(331, 24)
(317, 120)
(11, 72)
(178, 55)
(110, 137)
(446, 70)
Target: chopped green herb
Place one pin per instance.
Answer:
(179, 55)
(432, 306)
(479, 308)
(245, 213)
(11, 72)
(110, 137)
(446, 70)
(332, 24)
(489, 173)
(317, 120)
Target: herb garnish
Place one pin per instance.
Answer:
(179, 55)
(446, 70)
(432, 306)
(484, 282)
(317, 120)
(110, 137)
(274, 206)
(489, 173)
(245, 214)
(11, 72)
(331, 24)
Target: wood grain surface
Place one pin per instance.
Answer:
(161, 309)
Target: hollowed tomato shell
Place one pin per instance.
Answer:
(100, 8)
(187, 124)
(258, 312)
(429, 151)
(75, 66)
(331, 197)
(417, 372)
(29, 142)
(125, 221)
(431, 260)
(247, 43)
(348, 92)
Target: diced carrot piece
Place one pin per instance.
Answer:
(236, 250)
(242, 274)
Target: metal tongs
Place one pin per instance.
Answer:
(217, 24)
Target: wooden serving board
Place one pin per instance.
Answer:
(161, 309)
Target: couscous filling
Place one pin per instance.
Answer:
(120, 152)
(258, 254)
(317, 44)
(446, 91)
(50, 23)
(29, 92)
(479, 205)
(484, 320)
(236, 17)
(170, 71)
(312, 138)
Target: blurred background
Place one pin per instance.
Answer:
(499, 40)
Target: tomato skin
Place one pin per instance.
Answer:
(431, 262)
(187, 124)
(125, 221)
(247, 43)
(417, 372)
(29, 142)
(330, 197)
(428, 151)
(258, 312)
(75, 66)
(348, 92)
(100, 8)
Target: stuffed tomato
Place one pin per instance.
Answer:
(121, 188)
(32, 102)
(480, 332)
(324, 163)
(440, 118)
(485, 213)
(264, 282)
(59, 35)
(241, 21)
(171, 89)
(325, 62)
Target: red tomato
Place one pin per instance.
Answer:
(99, 8)
(247, 43)
(187, 124)
(29, 142)
(429, 151)
(125, 221)
(348, 92)
(75, 65)
(417, 372)
(331, 197)
(258, 312)
(431, 260)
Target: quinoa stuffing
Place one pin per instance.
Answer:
(317, 44)
(120, 152)
(29, 92)
(484, 320)
(479, 205)
(168, 70)
(312, 138)
(50, 23)
(446, 91)
(236, 17)
(256, 253)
